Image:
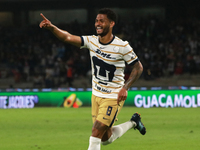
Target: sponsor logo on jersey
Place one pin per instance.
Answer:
(103, 54)
(102, 89)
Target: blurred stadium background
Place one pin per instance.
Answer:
(164, 34)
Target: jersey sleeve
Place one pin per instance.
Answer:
(84, 42)
(129, 55)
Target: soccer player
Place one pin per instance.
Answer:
(108, 56)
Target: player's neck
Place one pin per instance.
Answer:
(106, 39)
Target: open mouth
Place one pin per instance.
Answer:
(99, 29)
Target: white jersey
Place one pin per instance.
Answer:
(108, 63)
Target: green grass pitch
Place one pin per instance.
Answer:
(69, 129)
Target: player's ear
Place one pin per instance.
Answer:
(112, 23)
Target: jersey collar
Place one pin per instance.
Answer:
(108, 42)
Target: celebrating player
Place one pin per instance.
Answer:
(108, 56)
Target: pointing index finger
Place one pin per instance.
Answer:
(43, 16)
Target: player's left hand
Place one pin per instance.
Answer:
(122, 95)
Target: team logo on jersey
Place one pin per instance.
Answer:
(116, 49)
(103, 54)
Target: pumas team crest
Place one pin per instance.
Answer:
(116, 49)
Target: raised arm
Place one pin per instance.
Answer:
(60, 34)
(135, 74)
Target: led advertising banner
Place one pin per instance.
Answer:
(139, 98)
(34, 99)
(166, 98)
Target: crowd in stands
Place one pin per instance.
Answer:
(165, 48)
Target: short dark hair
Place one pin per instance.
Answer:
(110, 14)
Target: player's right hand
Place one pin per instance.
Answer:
(45, 23)
(122, 95)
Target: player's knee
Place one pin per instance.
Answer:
(99, 129)
(109, 141)
(107, 135)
